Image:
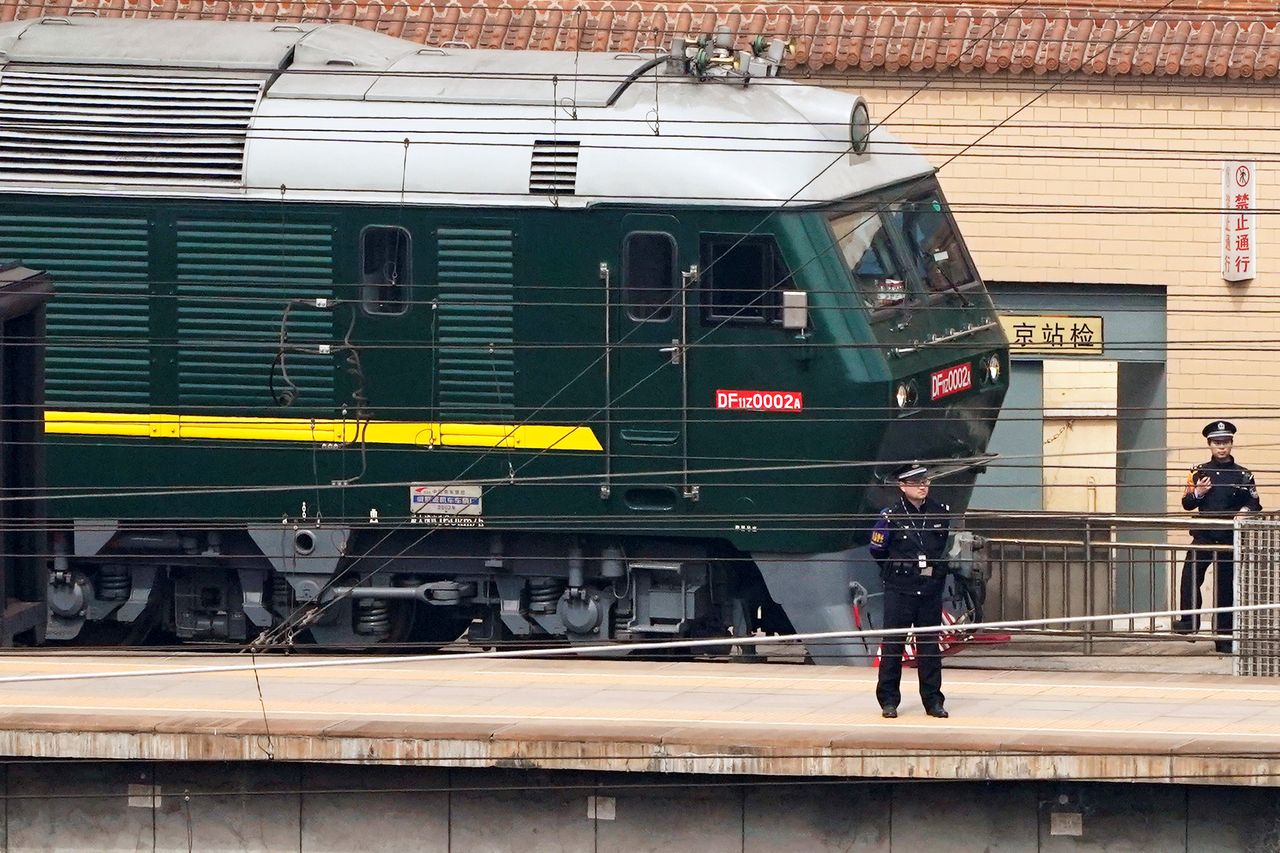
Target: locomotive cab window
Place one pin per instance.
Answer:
(933, 244)
(385, 269)
(649, 276)
(868, 253)
(742, 279)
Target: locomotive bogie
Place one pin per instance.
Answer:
(400, 588)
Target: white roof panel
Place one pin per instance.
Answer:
(225, 45)
(362, 117)
(500, 77)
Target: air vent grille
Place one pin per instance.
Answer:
(76, 126)
(554, 168)
(475, 352)
(234, 279)
(99, 334)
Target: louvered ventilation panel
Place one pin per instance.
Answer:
(234, 281)
(475, 356)
(78, 126)
(554, 168)
(99, 319)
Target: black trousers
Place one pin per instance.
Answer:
(1193, 571)
(908, 610)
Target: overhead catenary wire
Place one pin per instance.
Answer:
(586, 649)
(615, 141)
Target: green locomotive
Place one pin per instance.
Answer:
(381, 342)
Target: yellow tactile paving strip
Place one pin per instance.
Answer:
(692, 717)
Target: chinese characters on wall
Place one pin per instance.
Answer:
(1052, 335)
(1239, 234)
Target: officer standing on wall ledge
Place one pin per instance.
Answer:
(909, 542)
(1218, 487)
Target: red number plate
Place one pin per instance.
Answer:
(761, 401)
(950, 380)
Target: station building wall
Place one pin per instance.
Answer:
(1115, 182)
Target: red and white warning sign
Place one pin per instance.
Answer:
(760, 401)
(1239, 221)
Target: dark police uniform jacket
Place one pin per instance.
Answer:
(1233, 490)
(902, 536)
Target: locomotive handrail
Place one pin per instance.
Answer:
(948, 467)
(900, 351)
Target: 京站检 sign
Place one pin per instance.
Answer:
(1052, 334)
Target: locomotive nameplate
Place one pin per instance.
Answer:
(950, 380)
(761, 401)
(446, 504)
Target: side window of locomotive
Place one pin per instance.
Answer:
(742, 278)
(385, 272)
(649, 276)
(934, 245)
(868, 253)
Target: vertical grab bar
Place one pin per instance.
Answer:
(690, 492)
(606, 488)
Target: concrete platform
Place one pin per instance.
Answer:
(704, 718)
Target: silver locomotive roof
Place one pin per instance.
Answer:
(334, 112)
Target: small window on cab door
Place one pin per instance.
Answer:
(742, 279)
(649, 276)
(385, 273)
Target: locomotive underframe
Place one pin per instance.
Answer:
(353, 587)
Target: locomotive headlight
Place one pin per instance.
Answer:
(860, 126)
(992, 368)
(905, 394)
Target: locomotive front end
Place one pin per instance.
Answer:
(939, 342)
(921, 369)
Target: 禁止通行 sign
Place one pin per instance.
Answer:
(1239, 228)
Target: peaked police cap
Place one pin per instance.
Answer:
(911, 471)
(1218, 429)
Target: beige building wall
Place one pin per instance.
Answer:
(1119, 182)
(1080, 435)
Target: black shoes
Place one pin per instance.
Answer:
(1222, 647)
(890, 712)
(1183, 626)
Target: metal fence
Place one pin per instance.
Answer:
(1046, 567)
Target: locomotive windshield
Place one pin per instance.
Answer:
(902, 249)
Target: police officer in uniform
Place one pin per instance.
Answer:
(1219, 487)
(909, 541)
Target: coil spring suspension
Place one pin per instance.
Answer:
(114, 583)
(281, 594)
(544, 593)
(372, 617)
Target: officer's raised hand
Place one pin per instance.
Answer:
(1203, 485)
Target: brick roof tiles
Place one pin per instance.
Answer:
(1231, 39)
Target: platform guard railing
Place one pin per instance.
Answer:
(1045, 566)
